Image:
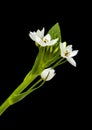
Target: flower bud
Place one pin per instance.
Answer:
(48, 74)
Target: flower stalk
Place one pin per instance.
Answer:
(51, 53)
(8, 102)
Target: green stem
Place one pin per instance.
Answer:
(63, 62)
(38, 86)
(58, 63)
(17, 91)
(33, 88)
(4, 106)
(24, 84)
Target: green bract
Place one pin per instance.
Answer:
(55, 32)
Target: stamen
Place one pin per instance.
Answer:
(45, 40)
(67, 53)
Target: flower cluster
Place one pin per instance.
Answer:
(52, 53)
(66, 52)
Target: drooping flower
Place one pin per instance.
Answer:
(48, 74)
(42, 40)
(66, 52)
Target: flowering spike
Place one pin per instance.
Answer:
(50, 48)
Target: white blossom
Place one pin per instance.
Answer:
(42, 40)
(68, 53)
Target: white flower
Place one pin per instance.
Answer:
(48, 74)
(39, 38)
(66, 52)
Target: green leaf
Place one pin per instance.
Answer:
(55, 32)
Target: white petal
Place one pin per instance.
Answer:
(63, 49)
(61, 46)
(40, 33)
(64, 44)
(48, 37)
(71, 61)
(32, 35)
(51, 75)
(37, 39)
(42, 43)
(69, 48)
(52, 42)
(73, 53)
(48, 73)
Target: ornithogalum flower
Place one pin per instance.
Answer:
(48, 74)
(66, 52)
(42, 40)
(51, 53)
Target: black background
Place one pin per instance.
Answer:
(59, 102)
